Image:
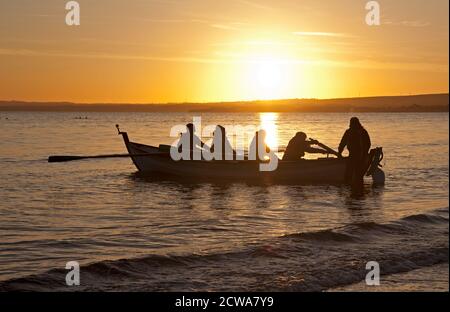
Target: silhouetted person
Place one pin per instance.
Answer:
(259, 140)
(357, 140)
(220, 141)
(194, 141)
(298, 146)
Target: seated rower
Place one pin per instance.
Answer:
(191, 143)
(298, 146)
(259, 150)
(221, 145)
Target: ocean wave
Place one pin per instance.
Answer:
(356, 232)
(312, 261)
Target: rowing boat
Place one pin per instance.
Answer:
(151, 159)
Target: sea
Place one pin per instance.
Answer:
(130, 232)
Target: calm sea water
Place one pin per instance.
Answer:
(134, 233)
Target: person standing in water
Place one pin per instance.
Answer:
(357, 141)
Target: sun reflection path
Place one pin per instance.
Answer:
(269, 123)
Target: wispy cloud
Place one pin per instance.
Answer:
(321, 34)
(164, 21)
(408, 23)
(88, 55)
(224, 25)
(253, 43)
(228, 26)
(237, 59)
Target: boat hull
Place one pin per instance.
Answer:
(320, 171)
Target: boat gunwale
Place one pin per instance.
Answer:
(233, 161)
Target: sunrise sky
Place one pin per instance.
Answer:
(145, 51)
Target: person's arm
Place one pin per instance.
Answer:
(313, 150)
(179, 144)
(367, 137)
(201, 143)
(343, 143)
(323, 149)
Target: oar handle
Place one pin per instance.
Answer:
(328, 149)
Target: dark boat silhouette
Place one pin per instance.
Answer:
(151, 159)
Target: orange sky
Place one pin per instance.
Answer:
(206, 50)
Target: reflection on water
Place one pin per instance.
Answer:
(268, 122)
(100, 209)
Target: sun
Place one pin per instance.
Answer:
(268, 74)
(267, 78)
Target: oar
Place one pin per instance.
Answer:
(62, 158)
(328, 149)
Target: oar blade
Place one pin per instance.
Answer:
(58, 158)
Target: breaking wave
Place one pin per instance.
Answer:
(311, 261)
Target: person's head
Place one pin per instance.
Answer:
(190, 127)
(354, 123)
(301, 135)
(261, 133)
(219, 130)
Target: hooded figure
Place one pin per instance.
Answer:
(357, 140)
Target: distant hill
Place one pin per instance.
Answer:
(412, 103)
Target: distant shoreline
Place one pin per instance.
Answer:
(411, 103)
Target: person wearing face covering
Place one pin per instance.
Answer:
(357, 141)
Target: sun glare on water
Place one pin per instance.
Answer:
(269, 123)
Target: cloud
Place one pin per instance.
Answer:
(253, 43)
(238, 59)
(228, 26)
(88, 55)
(321, 34)
(225, 27)
(215, 24)
(408, 23)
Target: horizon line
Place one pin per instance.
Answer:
(213, 102)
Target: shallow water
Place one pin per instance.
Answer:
(212, 236)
